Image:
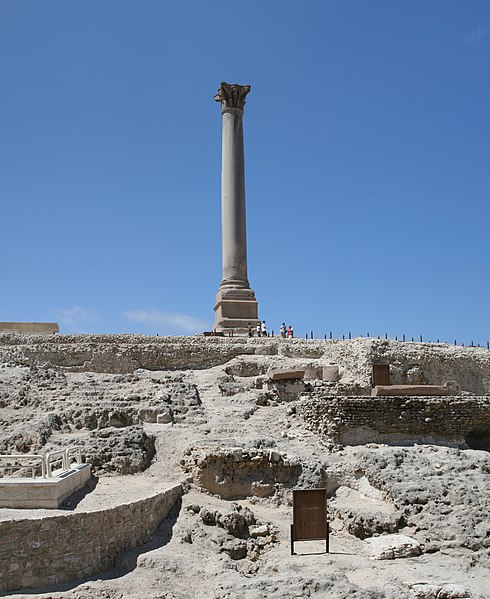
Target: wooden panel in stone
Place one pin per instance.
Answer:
(381, 374)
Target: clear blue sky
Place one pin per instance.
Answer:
(367, 143)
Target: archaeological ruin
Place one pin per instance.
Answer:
(138, 467)
(195, 445)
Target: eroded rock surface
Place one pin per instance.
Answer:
(196, 410)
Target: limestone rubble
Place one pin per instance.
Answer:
(408, 479)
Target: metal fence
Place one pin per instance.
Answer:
(405, 338)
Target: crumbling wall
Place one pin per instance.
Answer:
(44, 551)
(412, 363)
(452, 421)
(235, 472)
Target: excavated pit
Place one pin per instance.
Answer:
(236, 473)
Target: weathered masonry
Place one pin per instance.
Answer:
(40, 550)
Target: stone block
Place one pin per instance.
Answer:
(409, 390)
(331, 373)
(30, 328)
(43, 493)
(393, 546)
(285, 374)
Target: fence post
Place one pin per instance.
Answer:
(403, 336)
(350, 336)
(330, 335)
(420, 338)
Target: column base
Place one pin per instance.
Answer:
(235, 309)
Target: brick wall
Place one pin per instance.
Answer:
(397, 420)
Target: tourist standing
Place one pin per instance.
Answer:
(283, 330)
(264, 329)
(258, 330)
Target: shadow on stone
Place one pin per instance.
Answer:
(127, 561)
(478, 439)
(71, 503)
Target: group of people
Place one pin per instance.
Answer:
(286, 332)
(261, 330)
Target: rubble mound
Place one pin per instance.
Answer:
(112, 450)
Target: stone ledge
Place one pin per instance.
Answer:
(409, 390)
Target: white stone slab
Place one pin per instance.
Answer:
(43, 492)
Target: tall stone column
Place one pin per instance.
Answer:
(236, 306)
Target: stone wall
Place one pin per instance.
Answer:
(42, 551)
(412, 363)
(126, 353)
(454, 421)
(30, 328)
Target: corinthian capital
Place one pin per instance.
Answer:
(232, 95)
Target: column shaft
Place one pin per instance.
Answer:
(236, 308)
(234, 233)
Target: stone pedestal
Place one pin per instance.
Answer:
(236, 306)
(235, 309)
